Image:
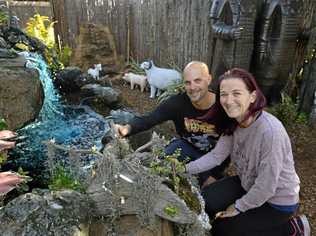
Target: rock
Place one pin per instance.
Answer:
(13, 63)
(69, 80)
(106, 95)
(166, 197)
(51, 213)
(3, 43)
(14, 35)
(96, 45)
(21, 92)
(7, 53)
(130, 189)
(130, 226)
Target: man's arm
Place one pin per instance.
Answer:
(165, 111)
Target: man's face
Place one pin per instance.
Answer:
(196, 82)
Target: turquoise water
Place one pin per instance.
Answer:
(75, 126)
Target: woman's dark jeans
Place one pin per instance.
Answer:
(261, 221)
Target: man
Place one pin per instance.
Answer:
(186, 110)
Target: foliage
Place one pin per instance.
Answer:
(171, 210)
(42, 28)
(3, 17)
(172, 89)
(3, 124)
(3, 158)
(287, 112)
(23, 187)
(133, 66)
(62, 179)
(64, 55)
(170, 166)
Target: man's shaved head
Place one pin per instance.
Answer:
(196, 65)
(196, 81)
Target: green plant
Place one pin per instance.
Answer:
(23, 187)
(169, 167)
(42, 27)
(172, 89)
(3, 17)
(3, 124)
(287, 111)
(3, 158)
(62, 179)
(171, 210)
(133, 66)
(64, 55)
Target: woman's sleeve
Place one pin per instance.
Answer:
(214, 158)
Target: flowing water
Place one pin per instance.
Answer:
(75, 126)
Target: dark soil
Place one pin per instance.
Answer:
(303, 141)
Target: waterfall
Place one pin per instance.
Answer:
(75, 126)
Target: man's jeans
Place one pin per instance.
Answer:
(190, 153)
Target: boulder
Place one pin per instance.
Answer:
(21, 92)
(106, 95)
(45, 213)
(71, 79)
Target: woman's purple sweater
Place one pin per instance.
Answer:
(262, 156)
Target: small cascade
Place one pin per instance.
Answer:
(75, 126)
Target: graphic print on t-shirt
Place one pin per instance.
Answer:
(202, 134)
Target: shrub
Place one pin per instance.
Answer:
(287, 112)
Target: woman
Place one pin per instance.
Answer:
(263, 197)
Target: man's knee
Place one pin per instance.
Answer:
(187, 151)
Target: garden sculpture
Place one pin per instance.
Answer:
(159, 78)
(257, 36)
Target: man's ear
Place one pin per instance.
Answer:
(209, 79)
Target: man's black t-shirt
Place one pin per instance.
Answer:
(186, 118)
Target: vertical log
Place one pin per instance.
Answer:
(59, 13)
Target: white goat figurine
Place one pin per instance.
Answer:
(133, 79)
(95, 72)
(159, 78)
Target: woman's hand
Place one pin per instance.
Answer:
(229, 212)
(7, 134)
(9, 181)
(4, 145)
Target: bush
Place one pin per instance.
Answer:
(287, 112)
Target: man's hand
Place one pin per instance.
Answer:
(229, 212)
(123, 130)
(9, 181)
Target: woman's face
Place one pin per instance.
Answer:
(235, 98)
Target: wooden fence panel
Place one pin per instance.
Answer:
(24, 10)
(164, 30)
